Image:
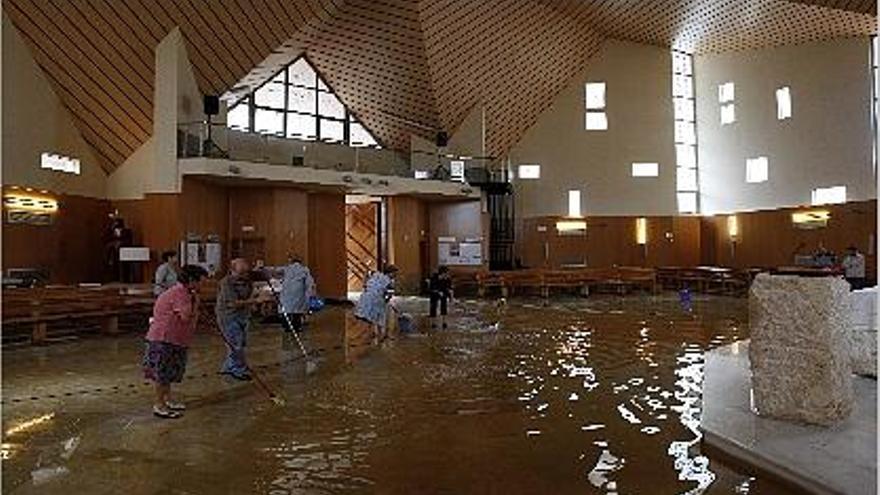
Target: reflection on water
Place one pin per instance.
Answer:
(610, 389)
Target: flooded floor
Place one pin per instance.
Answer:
(599, 395)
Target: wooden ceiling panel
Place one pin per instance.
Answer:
(402, 66)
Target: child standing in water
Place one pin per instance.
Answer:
(372, 305)
(440, 293)
(175, 314)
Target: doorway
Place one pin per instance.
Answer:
(363, 238)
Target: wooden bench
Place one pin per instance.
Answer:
(38, 308)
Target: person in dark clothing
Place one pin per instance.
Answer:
(440, 293)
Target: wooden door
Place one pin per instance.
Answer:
(361, 242)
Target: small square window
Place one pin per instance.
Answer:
(456, 170)
(686, 179)
(783, 103)
(238, 117)
(686, 155)
(645, 169)
(687, 202)
(595, 95)
(757, 170)
(596, 121)
(682, 86)
(829, 195)
(726, 92)
(422, 174)
(728, 114)
(529, 172)
(685, 133)
(574, 203)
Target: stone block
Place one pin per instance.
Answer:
(800, 351)
(863, 336)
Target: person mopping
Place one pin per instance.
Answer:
(439, 293)
(233, 311)
(172, 327)
(372, 306)
(297, 288)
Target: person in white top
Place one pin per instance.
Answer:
(854, 268)
(166, 274)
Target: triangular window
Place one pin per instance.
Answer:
(296, 103)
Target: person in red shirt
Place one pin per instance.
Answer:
(172, 327)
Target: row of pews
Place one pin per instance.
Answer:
(36, 315)
(617, 279)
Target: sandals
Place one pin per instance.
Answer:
(165, 413)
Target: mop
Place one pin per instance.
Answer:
(311, 366)
(276, 398)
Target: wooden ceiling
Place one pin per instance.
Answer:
(402, 66)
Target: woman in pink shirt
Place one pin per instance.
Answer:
(175, 314)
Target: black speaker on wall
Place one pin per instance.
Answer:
(212, 104)
(442, 139)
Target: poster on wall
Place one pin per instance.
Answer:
(459, 253)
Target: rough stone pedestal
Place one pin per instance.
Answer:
(864, 332)
(800, 348)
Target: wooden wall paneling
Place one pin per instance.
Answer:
(327, 254)
(687, 240)
(407, 233)
(290, 226)
(71, 249)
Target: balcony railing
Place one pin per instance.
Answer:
(194, 140)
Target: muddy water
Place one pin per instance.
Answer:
(579, 397)
(584, 396)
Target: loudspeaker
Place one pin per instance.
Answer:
(442, 139)
(212, 104)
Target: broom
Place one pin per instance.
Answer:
(311, 366)
(276, 398)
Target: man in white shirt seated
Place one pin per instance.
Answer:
(854, 268)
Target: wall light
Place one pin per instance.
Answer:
(571, 226)
(811, 219)
(733, 227)
(641, 231)
(30, 202)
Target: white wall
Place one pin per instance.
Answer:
(35, 121)
(640, 115)
(827, 142)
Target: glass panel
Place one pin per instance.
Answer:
(301, 126)
(330, 106)
(596, 121)
(684, 133)
(687, 202)
(302, 74)
(529, 171)
(595, 95)
(301, 100)
(322, 86)
(682, 86)
(270, 95)
(332, 130)
(783, 103)
(684, 109)
(574, 203)
(359, 136)
(686, 155)
(829, 195)
(278, 79)
(686, 179)
(728, 114)
(238, 116)
(757, 169)
(726, 92)
(268, 121)
(682, 64)
(645, 169)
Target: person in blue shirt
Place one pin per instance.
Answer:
(372, 306)
(297, 287)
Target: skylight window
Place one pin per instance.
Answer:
(596, 121)
(829, 195)
(757, 170)
(645, 169)
(529, 172)
(783, 103)
(298, 104)
(574, 203)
